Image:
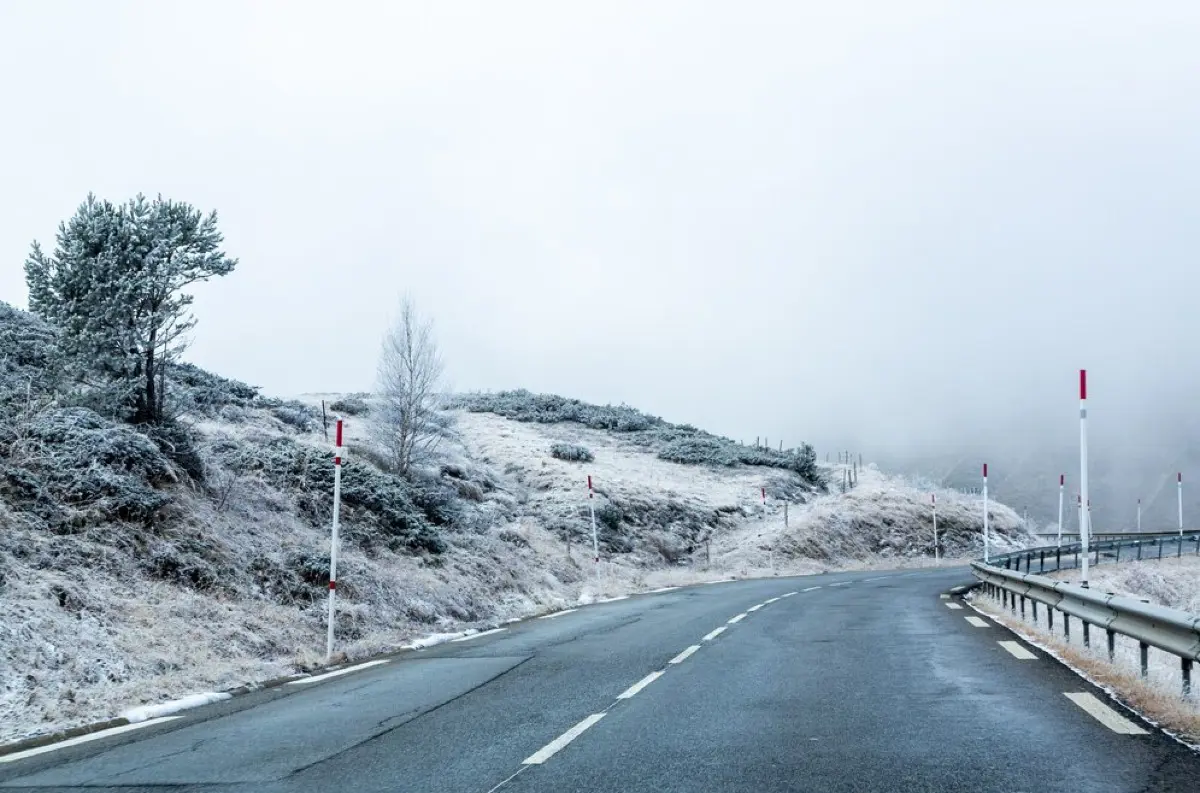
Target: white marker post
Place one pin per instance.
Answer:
(986, 533)
(333, 540)
(764, 502)
(933, 500)
(1062, 482)
(1179, 488)
(1085, 526)
(595, 537)
(1139, 514)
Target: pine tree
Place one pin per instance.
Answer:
(114, 288)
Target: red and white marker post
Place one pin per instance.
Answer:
(1085, 526)
(595, 537)
(1139, 515)
(1179, 488)
(986, 532)
(764, 501)
(333, 540)
(933, 500)
(1062, 483)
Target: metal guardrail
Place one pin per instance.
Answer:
(1073, 536)
(1134, 547)
(1166, 629)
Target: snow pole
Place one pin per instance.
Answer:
(933, 499)
(333, 540)
(764, 501)
(1179, 489)
(986, 533)
(595, 537)
(1062, 483)
(1139, 524)
(1085, 527)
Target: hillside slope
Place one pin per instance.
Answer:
(137, 564)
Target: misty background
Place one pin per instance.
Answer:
(898, 229)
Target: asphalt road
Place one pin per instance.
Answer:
(870, 682)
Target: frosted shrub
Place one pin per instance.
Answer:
(350, 406)
(572, 453)
(193, 390)
(297, 415)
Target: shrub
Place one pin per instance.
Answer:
(350, 406)
(572, 453)
(377, 507)
(191, 389)
(296, 415)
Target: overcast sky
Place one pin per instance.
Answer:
(875, 225)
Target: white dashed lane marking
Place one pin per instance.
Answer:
(978, 622)
(810, 589)
(737, 619)
(708, 637)
(1105, 715)
(753, 609)
(683, 656)
(639, 685)
(548, 751)
(1018, 651)
(953, 606)
(789, 594)
(772, 600)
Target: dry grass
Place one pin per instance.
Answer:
(1157, 698)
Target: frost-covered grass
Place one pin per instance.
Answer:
(1170, 582)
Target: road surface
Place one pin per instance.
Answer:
(842, 682)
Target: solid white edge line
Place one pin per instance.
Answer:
(477, 635)
(753, 609)
(772, 600)
(613, 600)
(708, 637)
(556, 614)
(736, 619)
(810, 589)
(91, 736)
(978, 622)
(1018, 651)
(661, 589)
(548, 751)
(639, 685)
(304, 681)
(1104, 714)
(683, 656)
(954, 606)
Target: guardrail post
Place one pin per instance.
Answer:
(1144, 653)
(1033, 603)
(1118, 561)
(1067, 627)
(1112, 644)
(1042, 563)
(1160, 547)
(1185, 665)
(1180, 547)
(1022, 607)
(1139, 547)
(1087, 634)
(1050, 618)
(1077, 556)
(1097, 552)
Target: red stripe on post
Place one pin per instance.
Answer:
(333, 584)
(1062, 479)
(1083, 384)
(589, 481)
(1180, 478)
(337, 460)
(985, 470)
(339, 432)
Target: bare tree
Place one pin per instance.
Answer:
(410, 373)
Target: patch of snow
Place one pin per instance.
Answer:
(147, 712)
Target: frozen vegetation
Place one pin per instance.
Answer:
(142, 562)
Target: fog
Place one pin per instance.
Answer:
(894, 228)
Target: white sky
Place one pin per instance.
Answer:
(875, 225)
